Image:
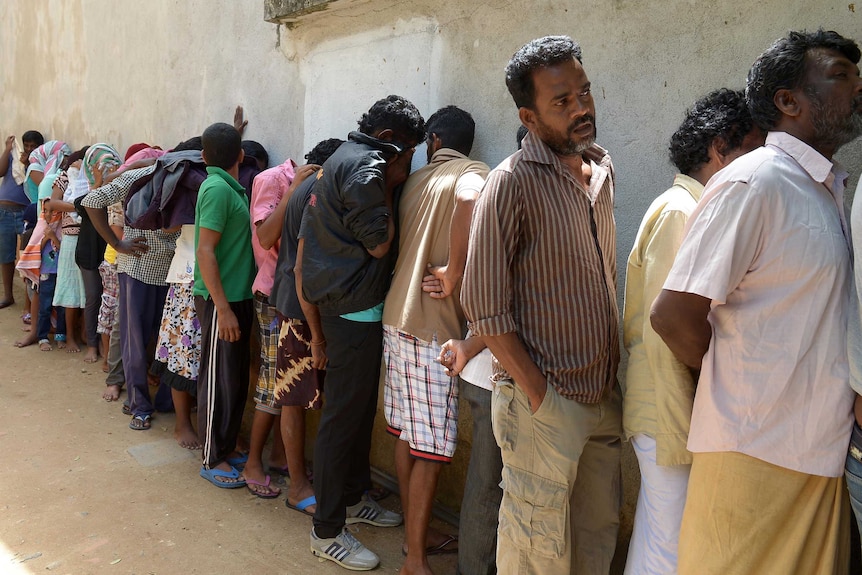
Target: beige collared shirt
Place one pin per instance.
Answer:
(659, 389)
(768, 245)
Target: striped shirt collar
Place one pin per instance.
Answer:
(533, 149)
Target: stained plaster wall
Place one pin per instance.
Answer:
(161, 71)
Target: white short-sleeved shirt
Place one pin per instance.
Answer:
(768, 245)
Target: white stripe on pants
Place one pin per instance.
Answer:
(661, 500)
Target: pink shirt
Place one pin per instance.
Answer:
(266, 192)
(768, 245)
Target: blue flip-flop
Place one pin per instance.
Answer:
(238, 462)
(302, 505)
(211, 475)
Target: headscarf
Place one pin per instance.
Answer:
(100, 157)
(48, 157)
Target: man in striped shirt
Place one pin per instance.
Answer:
(540, 287)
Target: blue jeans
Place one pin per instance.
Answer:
(853, 474)
(47, 283)
(11, 224)
(477, 529)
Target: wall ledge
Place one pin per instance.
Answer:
(291, 11)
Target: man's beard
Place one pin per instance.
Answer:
(830, 127)
(563, 144)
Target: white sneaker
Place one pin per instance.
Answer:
(369, 511)
(344, 550)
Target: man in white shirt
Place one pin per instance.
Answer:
(758, 299)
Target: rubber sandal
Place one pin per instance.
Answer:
(303, 505)
(140, 423)
(238, 462)
(211, 475)
(127, 410)
(268, 495)
(442, 549)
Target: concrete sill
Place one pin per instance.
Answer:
(291, 11)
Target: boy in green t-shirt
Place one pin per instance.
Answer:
(224, 272)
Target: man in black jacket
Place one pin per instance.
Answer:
(346, 255)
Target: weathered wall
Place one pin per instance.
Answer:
(162, 70)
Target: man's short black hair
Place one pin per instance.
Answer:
(455, 128)
(782, 67)
(33, 137)
(536, 54)
(222, 145)
(321, 152)
(193, 143)
(720, 114)
(256, 151)
(397, 114)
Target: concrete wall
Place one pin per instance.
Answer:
(160, 71)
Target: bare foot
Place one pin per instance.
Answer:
(258, 482)
(29, 340)
(112, 393)
(187, 438)
(45, 345)
(72, 347)
(92, 355)
(105, 368)
(295, 496)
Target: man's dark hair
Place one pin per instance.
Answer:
(782, 67)
(536, 54)
(521, 134)
(33, 137)
(222, 145)
(193, 143)
(321, 152)
(720, 114)
(454, 127)
(256, 151)
(397, 114)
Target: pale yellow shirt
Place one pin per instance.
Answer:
(659, 389)
(768, 245)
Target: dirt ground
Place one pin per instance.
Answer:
(81, 493)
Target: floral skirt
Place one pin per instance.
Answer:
(179, 343)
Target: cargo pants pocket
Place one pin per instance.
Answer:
(534, 512)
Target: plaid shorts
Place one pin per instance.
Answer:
(267, 319)
(110, 291)
(299, 384)
(419, 399)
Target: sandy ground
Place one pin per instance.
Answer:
(82, 493)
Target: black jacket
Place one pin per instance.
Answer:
(347, 215)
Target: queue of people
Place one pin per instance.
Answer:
(741, 319)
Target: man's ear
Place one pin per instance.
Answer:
(787, 102)
(717, 151)
(204, 156)
(241, 156)
(386, 134)
(527, 117)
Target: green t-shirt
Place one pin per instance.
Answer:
(222, 207)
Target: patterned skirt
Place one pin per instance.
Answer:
(179, 343)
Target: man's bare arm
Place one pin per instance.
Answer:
(228, 325)
(680, 319)
(512, 355)
(269, 230)
(312, 315)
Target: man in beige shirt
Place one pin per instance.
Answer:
(659, 389)
(422, 310)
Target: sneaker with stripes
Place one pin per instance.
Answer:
(345, 550)
(369, 511)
